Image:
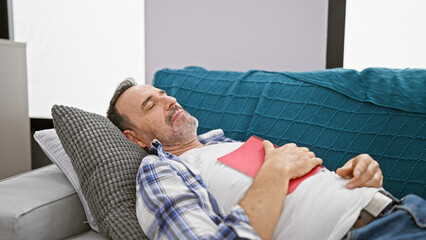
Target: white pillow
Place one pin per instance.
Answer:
(51, 145)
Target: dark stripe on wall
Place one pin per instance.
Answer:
(40, 124)
(38, 157)
(335, 33)
(4, 20)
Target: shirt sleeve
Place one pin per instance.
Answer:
(167, 208)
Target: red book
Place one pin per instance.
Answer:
(249, 158)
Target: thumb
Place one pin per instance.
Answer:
(267, 146)
(345, 171)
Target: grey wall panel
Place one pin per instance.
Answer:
(15, 150)
(279, 35)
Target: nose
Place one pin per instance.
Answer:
(169, 102)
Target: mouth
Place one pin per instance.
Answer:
(177, 114)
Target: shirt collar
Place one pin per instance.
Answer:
(213, 135)
(207, 138)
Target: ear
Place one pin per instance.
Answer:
(133, 136)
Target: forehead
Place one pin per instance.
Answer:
(134, 97)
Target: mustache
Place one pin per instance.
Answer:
(172, 112)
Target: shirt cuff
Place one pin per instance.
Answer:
(239, 221)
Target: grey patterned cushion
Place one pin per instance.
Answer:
(106, 163)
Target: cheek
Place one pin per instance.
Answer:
(152, 127)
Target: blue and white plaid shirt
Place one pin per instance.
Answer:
(174, 203)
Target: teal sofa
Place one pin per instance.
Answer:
(337, 113)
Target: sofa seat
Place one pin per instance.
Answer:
(89, 235)
(42, 204)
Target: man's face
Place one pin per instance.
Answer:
(155, 115)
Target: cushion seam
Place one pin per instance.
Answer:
(35, 208)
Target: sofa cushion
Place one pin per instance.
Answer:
(89, 235)
(337, 128)
(337, 113)
(40, 204)
(218, 99)
(394, 88)
(106, 163)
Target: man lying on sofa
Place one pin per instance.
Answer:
(183, 192)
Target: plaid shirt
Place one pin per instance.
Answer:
(174, 203)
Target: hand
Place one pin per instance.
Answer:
(363, 171)
(296, 161)
(264, 200)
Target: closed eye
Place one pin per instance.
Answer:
(148, 99)
(152, 106)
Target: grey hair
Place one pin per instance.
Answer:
(119, 120)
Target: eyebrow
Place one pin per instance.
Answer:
(149, 98)
(146, 101)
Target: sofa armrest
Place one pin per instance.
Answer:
(40, 204)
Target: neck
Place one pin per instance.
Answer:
(183, 147)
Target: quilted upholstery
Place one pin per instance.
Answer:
(217, 99)
(106, 164)
(334, 123)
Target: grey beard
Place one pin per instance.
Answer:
(185, 132)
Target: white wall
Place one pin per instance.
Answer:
(15, 151)
(385, 33)
(78, 51)
(281, 35)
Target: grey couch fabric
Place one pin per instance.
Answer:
(89, 235)
(106, 163)
(40, 204)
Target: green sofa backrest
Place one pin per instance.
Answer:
(337, 113)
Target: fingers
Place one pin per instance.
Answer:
(289, 146)
(294, 147)
(267, 146)
(316, 161)
(376, 181)
(304, 149)
(346, 171)
(366, 173)
(303, 167)
(360, 181)
(360, 165)
(296, 161)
